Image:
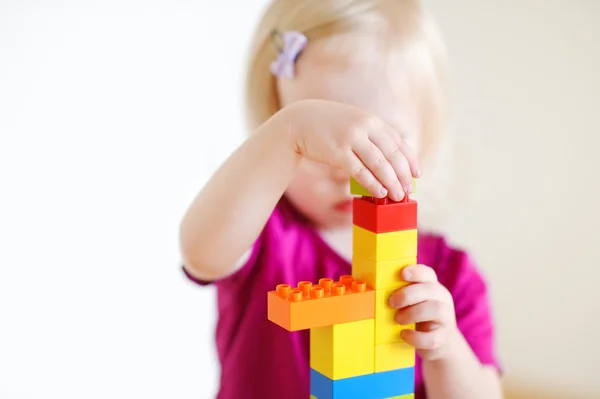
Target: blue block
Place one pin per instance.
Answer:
(371, 386)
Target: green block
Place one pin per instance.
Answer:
(357, 189)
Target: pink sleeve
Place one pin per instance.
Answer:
(472, 304)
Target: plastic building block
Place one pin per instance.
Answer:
(357, 189)
(324, 304)
(337, 351)
(387, 330)
(394, 245)
(371, 386)
(381, 275)
(384, 216)
(356, 348)
(394, 356)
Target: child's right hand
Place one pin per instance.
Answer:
(363, 145)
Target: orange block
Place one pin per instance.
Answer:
(324, 304)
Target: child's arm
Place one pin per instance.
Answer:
(228, 214)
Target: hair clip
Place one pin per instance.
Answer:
(289, 45)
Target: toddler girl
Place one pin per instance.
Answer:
(336, 89)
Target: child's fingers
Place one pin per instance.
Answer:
(379, 165)
(404, 148)
(419, 274)
(429, 311)
(357, 169)
(387, 145)
(425, 340)
(417, 293)
(407, 151)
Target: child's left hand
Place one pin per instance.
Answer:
(429, 304)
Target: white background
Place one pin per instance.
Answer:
(106, 110)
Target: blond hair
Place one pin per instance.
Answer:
(411, 35)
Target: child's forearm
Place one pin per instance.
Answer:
(460, 375)
(228, 214)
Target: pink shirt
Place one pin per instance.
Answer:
(262, 360)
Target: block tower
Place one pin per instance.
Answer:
(356, 351)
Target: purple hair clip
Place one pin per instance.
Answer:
(289, 47)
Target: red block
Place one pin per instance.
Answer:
(384, 215)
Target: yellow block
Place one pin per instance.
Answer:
(314, 397)
(381, 247)
(381, 275)
(357, 189)
(408, 396)
(395, 356)
(387, 330)
(343, 350)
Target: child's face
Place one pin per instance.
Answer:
(321, 192)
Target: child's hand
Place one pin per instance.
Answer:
(429, 304)
(363, 145)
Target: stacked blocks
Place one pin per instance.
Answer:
(356, 351)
